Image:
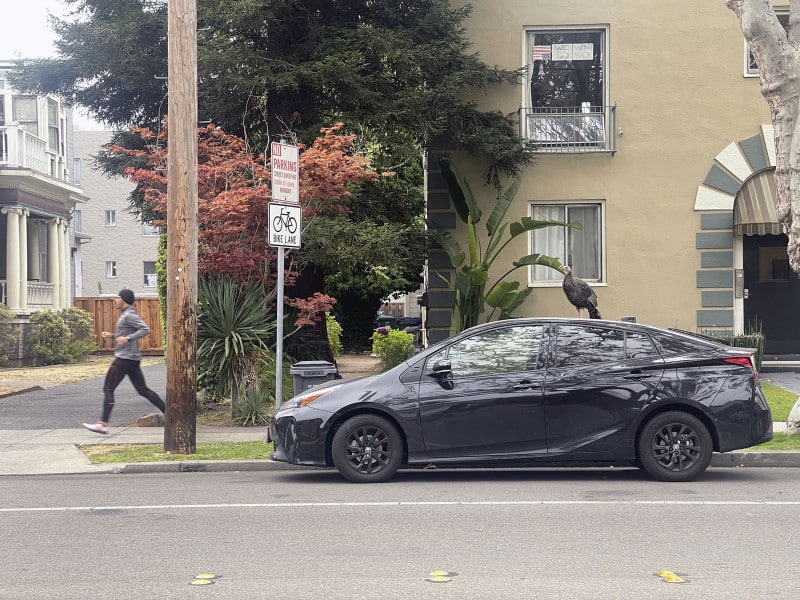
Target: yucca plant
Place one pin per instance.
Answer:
(235, 330)
(473, 266)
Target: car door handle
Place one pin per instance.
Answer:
(527, 385)
(637, 375)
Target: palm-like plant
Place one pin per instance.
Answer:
(235, 331)
(473, 266)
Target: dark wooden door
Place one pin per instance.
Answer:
(772, 293)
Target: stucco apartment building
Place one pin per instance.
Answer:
(122, 250)
(651, 132)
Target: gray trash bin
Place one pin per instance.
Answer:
(308, 373)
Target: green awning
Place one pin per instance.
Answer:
(754, 208)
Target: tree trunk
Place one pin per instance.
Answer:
(778, 64)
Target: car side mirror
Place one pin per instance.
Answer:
(442, 368)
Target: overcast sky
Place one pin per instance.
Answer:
(25, 30)
(26, 34)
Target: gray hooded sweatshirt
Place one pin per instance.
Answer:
(131, 326)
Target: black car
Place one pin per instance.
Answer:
(535, 392)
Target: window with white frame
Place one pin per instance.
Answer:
(750, 66)
(44, 274)
(150, 279)
(150, 230)
(76, 171)
(111, 269)
(581, 249)
(111, 218)
(53, 132)
(566, 92)
(26, 113)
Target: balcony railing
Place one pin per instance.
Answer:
(40, 295)
(19, 148)
(571, 129)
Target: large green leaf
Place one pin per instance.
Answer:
(528, 224)
(501, 207)
(449, 244)
(499, 296)
(539, 259)
(460, 193)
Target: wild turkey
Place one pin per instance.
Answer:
(580, 294)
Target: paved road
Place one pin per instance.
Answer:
(516, 534)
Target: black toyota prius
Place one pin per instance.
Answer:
(534, 392)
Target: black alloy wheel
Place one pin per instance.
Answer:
(674, 446)
(367, 449)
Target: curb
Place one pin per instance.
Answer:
(727, 460)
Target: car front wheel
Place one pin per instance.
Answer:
(367, 449)
(674, 446)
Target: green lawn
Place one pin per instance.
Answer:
(780, 402)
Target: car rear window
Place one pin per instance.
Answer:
(678, 344)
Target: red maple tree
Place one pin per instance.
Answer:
(234, 189)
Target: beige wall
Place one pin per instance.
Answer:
(676, 75)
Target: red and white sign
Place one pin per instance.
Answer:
(285, 168)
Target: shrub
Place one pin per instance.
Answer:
(752, 338)
(334, 334)
(392, 346)
(48, 339)
(9, 334)
(61, 337)
(81, 328)
(253, 407)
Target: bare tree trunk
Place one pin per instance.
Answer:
(180, 419)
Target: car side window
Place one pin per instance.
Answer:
(638, 345)
(578, 345)
(503, 350)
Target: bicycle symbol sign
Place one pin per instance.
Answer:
(285, 224)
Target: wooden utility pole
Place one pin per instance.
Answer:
(180, 426)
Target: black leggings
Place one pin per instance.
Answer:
(116, 373)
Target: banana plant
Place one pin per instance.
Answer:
(473, 264)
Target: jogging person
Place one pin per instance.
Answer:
(130, 328)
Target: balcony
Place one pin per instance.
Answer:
(21, 149)
(570, 129)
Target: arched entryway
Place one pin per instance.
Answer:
(744, 276)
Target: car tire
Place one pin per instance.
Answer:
(367, 449)
(674, 446)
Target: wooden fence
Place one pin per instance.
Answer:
(105, 319)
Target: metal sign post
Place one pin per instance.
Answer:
(285, 227)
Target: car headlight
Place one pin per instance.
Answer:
(307, 397)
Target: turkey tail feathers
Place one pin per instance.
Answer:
(594, 313)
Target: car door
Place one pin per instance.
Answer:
(598, 379)
(490, 401)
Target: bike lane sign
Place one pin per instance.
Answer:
(285, 224)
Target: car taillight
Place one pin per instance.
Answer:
(744, 361)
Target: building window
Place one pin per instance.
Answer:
(581, 249)
(150, 278)
(53, 133)
(25, 113)
(76, 171)
(111, 218)
(111, 269)
(566, 102)
(77, 221)
(150, 230)
(750, 66)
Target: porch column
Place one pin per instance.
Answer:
(23, 260)
(53, 260)
(12, 257)
(63, 229)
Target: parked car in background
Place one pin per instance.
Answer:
(531, 392)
